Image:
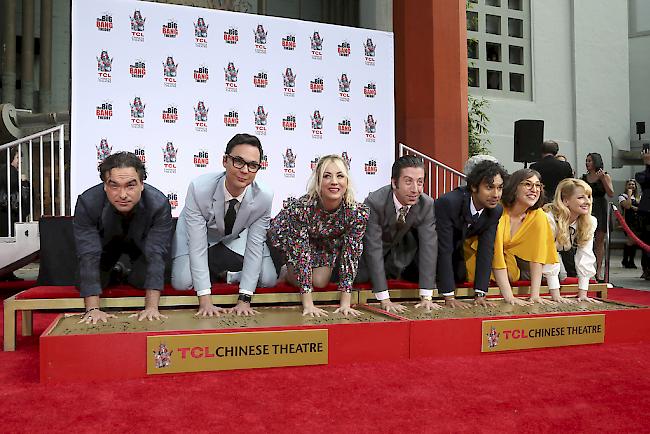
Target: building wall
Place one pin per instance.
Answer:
(580, 78)
(640, 66)
(60, 56)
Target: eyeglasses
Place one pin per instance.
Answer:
(532, 185)
(239, 162)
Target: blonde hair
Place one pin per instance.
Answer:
(565, 189)
(316, 178)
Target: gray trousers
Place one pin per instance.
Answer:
(220, 259)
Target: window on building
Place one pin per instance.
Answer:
(516, 55)
(493, 24)
(472, 49)
(498, 48)
(516, 82)
(472, 21)
(493, 52)
(515, 4)
(515, 28)
(494, 79)
(472, 77)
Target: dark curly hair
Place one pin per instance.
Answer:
(597, 160)
(121, 160)
(485, 171)
(510, 188)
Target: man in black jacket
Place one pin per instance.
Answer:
(122, 216)
(552, 170)
(643, 178)
(467, 212)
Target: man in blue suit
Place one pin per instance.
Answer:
(470, 211)
(222, 229)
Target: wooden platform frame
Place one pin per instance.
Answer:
(28, 306)
(599, 289)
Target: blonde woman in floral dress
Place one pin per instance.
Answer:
(320, 232)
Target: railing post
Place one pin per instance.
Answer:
(62, 171)
(608, 236)
(52, 173)
(31, 183)
(42, 163)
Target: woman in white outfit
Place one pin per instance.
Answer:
(573, 225)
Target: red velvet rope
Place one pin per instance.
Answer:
(628, 231)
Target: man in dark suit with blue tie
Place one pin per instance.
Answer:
(466, 212)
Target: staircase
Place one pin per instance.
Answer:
(38, 179)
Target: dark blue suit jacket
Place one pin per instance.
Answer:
(454, 226)
(97, 223)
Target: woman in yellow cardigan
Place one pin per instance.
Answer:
(524, 240)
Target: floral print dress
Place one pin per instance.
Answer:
(310, 237)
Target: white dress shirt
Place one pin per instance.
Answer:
(398, 206)
(585, 260)
(385, 295)
(228, 197)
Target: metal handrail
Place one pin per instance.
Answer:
(436, 172)
(29, 175)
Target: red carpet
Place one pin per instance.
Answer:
(629, 296)
(585, 389)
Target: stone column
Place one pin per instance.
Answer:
(9, 52)
(27, 57)
(431, 78)
(45, 88)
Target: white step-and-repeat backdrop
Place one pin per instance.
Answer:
(173, 84)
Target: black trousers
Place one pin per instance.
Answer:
(221, 259)
(644, 223)
(122, 264)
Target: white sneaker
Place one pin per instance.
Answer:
(233, 276)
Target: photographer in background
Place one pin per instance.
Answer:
(643, 178)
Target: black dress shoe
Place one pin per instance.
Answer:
(11, 277)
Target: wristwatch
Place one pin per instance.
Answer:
(426, 298)
(245, 298)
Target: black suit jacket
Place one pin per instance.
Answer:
(383, 241)
(553, 171)
(97, 223)
(643, 178)
(453, 224)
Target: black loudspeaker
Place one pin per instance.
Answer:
(640, 127)
(529, 134)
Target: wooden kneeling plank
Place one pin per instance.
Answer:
(27, 306)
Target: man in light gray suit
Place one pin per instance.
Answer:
(222, 229)
(400, 240)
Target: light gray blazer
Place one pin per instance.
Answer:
(201, 226)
